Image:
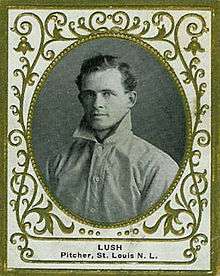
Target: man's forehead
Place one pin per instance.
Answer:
(108, 78)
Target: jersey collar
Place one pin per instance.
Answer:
(124, 129)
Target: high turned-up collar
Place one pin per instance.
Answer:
(118, 135)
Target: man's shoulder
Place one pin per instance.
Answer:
(59, 158)
(147, 153)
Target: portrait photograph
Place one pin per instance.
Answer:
(109, 130)
(109, 138)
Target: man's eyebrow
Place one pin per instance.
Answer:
(101, 91)
(87, 90)
(108, 90)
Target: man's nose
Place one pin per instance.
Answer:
(99, 101)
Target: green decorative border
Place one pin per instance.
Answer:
(192, 74)
(215, 104)
(191, 4)
(41, 83)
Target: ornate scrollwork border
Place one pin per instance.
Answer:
(161, 29)
(44, 77)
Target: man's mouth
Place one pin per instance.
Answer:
(99, 115)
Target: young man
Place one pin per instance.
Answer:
(108, 174)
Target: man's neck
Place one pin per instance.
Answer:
(110, 134)
(101, 135)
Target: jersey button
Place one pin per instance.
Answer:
(99, 149)
(96, 178)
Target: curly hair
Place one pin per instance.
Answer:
(104, 62)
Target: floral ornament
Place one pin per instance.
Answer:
(161, 32)
(194, 46)
(24, 46)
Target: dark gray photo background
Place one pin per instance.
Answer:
(158, 116)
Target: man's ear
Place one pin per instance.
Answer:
(132, 98)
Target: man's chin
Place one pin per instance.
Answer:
(100, 128)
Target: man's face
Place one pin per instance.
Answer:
(104, 99)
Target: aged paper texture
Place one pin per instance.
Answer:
(109, 155)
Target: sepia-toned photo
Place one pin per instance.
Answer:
(109, 130)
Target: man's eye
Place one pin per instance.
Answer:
(106, 93)
(89, 94)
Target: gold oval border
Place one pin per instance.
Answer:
(189, 141)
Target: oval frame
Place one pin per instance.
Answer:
(188, 145)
